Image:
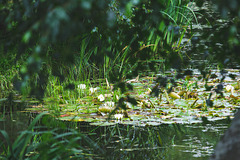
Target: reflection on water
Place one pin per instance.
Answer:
(174, 141)
(199, 141)
(14, 123)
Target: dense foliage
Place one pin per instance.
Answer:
(228, 34)
(123, 37)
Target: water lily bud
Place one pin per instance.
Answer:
(148, 91)
(174, 95)
(105, 109)
(181, 93)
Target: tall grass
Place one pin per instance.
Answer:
(180, 16)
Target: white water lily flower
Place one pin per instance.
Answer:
(230, 88)
(92, 90)
(110, 104)
(106, 107)
(118, 116)
(82, 86)
(101, 98)
(128, 105)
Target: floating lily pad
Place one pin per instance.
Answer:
(167, 108)
(103, 123)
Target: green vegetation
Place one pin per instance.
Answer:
(48, 143)
(111, 63)
(119, 41)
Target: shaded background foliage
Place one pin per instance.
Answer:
(223, 42)
(50, 34)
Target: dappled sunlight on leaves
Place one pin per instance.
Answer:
(186, 102)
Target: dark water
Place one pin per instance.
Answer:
(175, 141)
(181, 142)
(203, 44)
(14, 123)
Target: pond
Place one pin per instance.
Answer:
(177, 142)
(166, 141)
(184, 122)
(181, 127)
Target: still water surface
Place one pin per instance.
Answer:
(173, 141)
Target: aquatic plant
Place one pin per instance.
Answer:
(39, 142)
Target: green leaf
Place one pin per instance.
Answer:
(27, 36)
